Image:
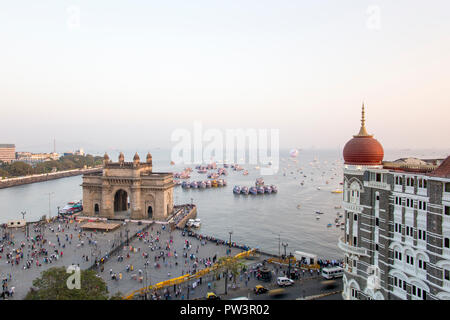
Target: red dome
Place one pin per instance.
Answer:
(363, 150)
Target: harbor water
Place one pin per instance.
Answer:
(266, 221)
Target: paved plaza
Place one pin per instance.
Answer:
(22, 261)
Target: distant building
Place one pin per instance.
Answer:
(396, 242)
(29, 157)
(7, 153)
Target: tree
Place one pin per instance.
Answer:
(52, 285)
(19, 168)
(229, 265)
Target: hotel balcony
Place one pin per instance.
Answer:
(352, 207)
(377, 185)
(351, 249)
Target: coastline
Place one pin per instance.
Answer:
(17, 181)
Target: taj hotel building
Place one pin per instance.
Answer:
(396, 242)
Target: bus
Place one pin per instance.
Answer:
(332, 272)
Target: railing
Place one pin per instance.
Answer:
(351, 249)
(352, 207)
(378, 185)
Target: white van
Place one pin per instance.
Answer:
(284, 281)
(332, 272)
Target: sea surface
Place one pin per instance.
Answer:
(265, 221)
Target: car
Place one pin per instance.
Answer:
(277, 292)
(284, 281)
(212, 296)
(259, 289)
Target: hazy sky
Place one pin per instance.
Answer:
(125, 74)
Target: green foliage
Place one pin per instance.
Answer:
(230, 265)
(52, 285)
(19, 168)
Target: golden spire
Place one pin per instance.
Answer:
(363, 131)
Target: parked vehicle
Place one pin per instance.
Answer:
(284, 281)
(332, 272)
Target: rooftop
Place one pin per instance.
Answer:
(443, 170)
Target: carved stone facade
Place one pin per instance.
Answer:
(128, 190)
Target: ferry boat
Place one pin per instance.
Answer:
(274, 189)
(226, 165)
(194, 185)
(267, 189)
(208, 183)
(237, 189)
(202, 185)
(202, 171)
(253, 190)
(329, 225)
(190, 223)
(220, 183)
(260, 189)
(244, 190)
(318, 212)
(214, 183)
(245, 172)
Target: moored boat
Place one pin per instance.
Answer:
(237, 189)
(253, 190)
(244, 190)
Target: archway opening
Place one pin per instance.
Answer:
(121, 201)
(96, 209)
(150, 212)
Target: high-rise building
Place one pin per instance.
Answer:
(7, 152)
(396, 242)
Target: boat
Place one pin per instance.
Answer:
(194, 185)
(342, 228)
(253, 190)
(214, 183)
(186, 185)
(245, 172)
(244, 190)
(329, 225)
(259, 182)
(202, 171)
(298, 206)
(274, 189)
(260, 189)
(224, 182)
(202, 185)
(196, 224)
(317, 217)
(172, 163)
(190, 223)
(267, 189)
(220, 183)
(337, 191)
(338, 207)
(318, 188)
(208, 183)
(337, 224)
(237, 189)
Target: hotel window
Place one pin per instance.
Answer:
(447, 187)
(422, 205)
(354, 263)
(354, 241)
(355, 217)
(421, 234)
(409, 231)
(376, 247)
(447, 210)
(422, 264)
(422, 183)
(398, 180)
(398, 228)
(354, 293)
(446, 243)
(399, 283)
(410, 203)
(398, 255)
(410, 182)
(417, 292)
(447, 274)
(379, 177)
(398, 201)
(409, 260)
(377, 222)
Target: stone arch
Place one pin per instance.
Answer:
(121, 197)
(352, 284)
(355, 190)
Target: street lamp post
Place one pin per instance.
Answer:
(230, 232)
(289, 266)
(127, 230)
(285, 246)
(49, 210)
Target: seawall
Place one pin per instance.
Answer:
(11, 182)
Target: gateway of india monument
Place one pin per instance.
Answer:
(128, 190)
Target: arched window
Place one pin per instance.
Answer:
(96, 208)
(355, 192)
